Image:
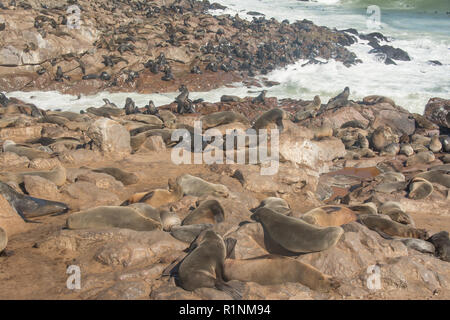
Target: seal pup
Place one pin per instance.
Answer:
(294, 235)
(441, 242)
(388, 228)
(158, 197)
(169, 219)
(406, 149)
(24, 151)
(273, 270)
(130, 107)
(203, 266)
(30, 207)
(419, 245)
(273, 116)
(329, 216)
(219, 118)
(423, 157)
(127, 178)
(3, 240)
(275, 204)
(419, 188)
(197, 187)
(208, 212)
(364, 208)
(111, 217)
(310, 111)
(396, 212)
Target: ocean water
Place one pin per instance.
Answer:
(420, 27)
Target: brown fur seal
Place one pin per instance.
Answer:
(441, 242)
(374, 99)
(127, 178)
(420, 188)
(57, 176)
(188, 233)
(203, 266)
(197, 187)
(269, 119)
(441, 177)
(422, 157)
(169, 219)
(275, 204)
(3, 240)
(396, 212)
(169, 119)
(364, 208)
(329, 216)
(295, 235)
(158, 197)
(208, 212)
(272, 270)
(406, 149)
(24, 151)
(435, 144)
(388, 228)
(112, 217)
(219, 118)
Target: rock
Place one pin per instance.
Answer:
(44, 164)
(79, 156)
(101, 180)
(383, 136)
(89, 195)
(40, 187)
(399, 121)
(125, 290)
(10, 221)
(109, 136)
(3, 239)
(153, 143)
(437, 111)
(13, 160)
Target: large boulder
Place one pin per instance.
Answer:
(109, 136)
(10, 221)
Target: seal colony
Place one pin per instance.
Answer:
(359, 183)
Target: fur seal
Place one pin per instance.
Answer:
(261, 98)
(273, 116)
(56, 175)
(441, 242)
(364, 208)
(30, 207)
(127, 178)
(158, 197)
(169, 219)
(420, 188)
(419, 245)
(396, 212)
(374, 99)
(295, 235)
(406, 149)
(329, 216)
(275, 204)
(111, 217)
(3, 239)
(340, 100)
(441, 177)
(388, 228)
(24, 151)
(203, 266)
(208, 212)
(422, 157)
(435, 144)
(188, 233)
(219, 118)
(197, 187)
(272, 270)
(168, 118)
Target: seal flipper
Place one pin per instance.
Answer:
(230, 244)
(235, 293)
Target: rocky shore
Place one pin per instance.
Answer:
(99, 190)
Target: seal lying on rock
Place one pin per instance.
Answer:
(396, 212)
(218, 118)
(441, 242)
(422, 157)
(3, 239)
(24, 151)
(203, 266)
(30, 207)
(188, 233)
(388, 228)
(197, 187)
(127, 178)
(420, 188)
(272, 270)
(294, 235)
(441, 177)
(112, 217)
(158, 197)
(57, 176)
(208, 212)
(329, 216)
